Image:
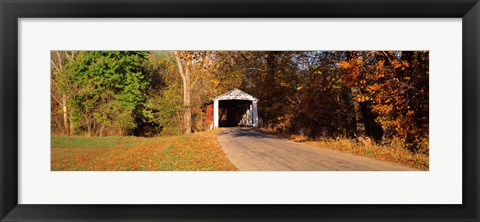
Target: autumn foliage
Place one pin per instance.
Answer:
(376, 96)
(394, 86)
(195, 152)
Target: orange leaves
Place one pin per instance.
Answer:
(363, 98)
(344, 64)
(353, 71)
(374, 87)
(410, 113)
(384, 109)
(396, 64)
(380, 64)
(393, 84)
(198, 151)
(392, 153)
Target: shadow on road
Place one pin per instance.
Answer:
(251, 150)
(243, 132)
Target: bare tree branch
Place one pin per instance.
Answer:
(180, 65)
(54, 65)
(58, 101)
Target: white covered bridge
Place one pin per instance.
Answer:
(233, 108)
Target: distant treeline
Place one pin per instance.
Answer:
(381, 95)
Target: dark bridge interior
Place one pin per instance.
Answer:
(231, 112)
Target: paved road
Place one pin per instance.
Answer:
(254, 151)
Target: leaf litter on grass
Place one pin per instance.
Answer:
(193, 152)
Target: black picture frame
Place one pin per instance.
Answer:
(11, 11)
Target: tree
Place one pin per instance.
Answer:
(353, 79)
(191, 66)
(57, 61)
(395, 84)
(165, 106)
(272, 77)
(109, 89)
(184, 62)
(379, 94)
(326, 108)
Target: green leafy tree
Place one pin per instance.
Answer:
(108, 88)
(165, 107)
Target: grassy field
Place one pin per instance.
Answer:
(198, 151)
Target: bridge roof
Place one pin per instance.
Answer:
(235, 94)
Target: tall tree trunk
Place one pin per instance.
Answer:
(65, 114)
(188, 115)
(185, 73)
(72, 128)
(94, 128)
(100, 131)
(359, 120)
(89, 129)
(268, 86)
(187, 97)
(58, 67)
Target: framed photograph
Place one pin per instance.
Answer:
(225, 110)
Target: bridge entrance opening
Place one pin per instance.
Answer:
(234, 113)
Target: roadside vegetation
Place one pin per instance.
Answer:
(393, 153)
(377, 99)
(193, 152)
(390, 153)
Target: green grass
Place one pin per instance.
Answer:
(100, 142)
(199, 151)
